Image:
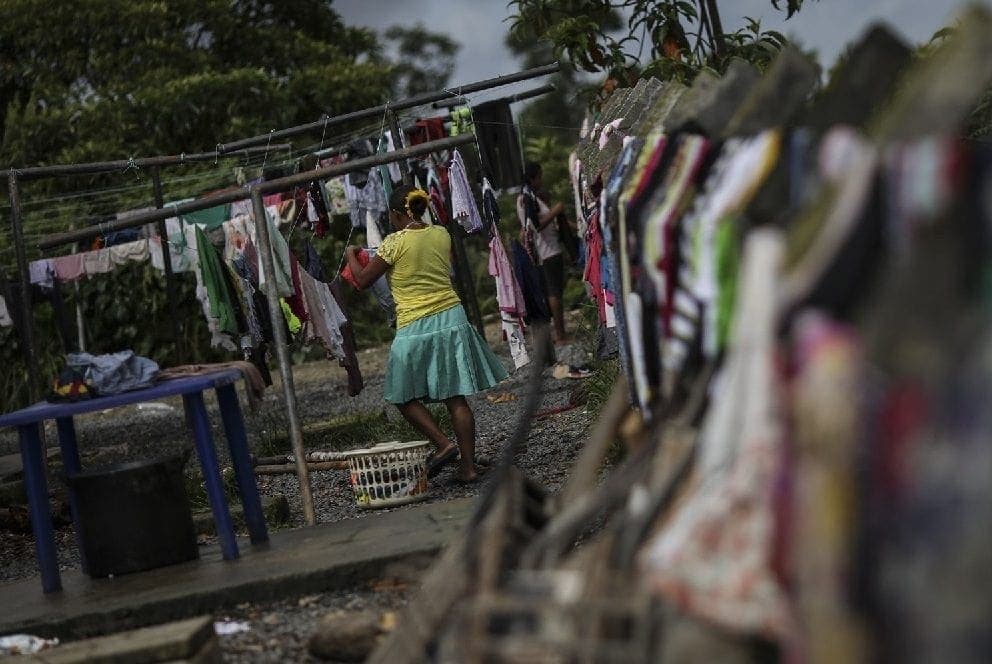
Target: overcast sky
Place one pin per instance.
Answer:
(824, 25)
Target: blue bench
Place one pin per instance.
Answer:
(28, 422)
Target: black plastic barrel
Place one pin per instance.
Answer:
(134, 516)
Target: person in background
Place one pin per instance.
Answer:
(539, 229)
(436, 354)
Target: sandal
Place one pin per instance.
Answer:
(439, 461)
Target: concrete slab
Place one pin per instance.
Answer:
(300, 561)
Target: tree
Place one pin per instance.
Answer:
(680, 36)
(425, 60)
(109, 78)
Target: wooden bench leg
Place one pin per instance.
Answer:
(196, 412)
(41, 518)
(237, 442)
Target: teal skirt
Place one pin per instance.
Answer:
(438, 357)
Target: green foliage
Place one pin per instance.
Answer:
(673, 39)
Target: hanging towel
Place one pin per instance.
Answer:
(97, 262)
(42, 273)
(211, 272)
(136, 251)
(68, 268)
(463, 207)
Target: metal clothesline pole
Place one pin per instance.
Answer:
(282, 354)
(399, 105)
(170, 277)
(27, 337)
(520, 96)
(91, 168)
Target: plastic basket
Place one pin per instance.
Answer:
(389, 474)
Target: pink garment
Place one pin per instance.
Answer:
(68, 268)
(508, 294)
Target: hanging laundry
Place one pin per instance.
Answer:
(68, 268)
(325, 317)
(385, 172)
(370, 198)
(712, 559)
(463, 207)
(129, 252)
(209, 218)
(97, 262)
(5, 318)
(529, 281)
(490, 207)
(315, 268)
(461, 121)
(336, 196)
(425, 130)
(182, 248)
(373, 235)
(297, 302)
(219, 298)
(280, 262)
(511, 302)
(42, 273)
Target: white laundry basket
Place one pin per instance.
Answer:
(389, 474)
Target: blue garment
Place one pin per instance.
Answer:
(530, 284)
(114, 373)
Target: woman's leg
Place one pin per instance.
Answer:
(417, 414)
(463, 422)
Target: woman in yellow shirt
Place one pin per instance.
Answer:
(436, 355)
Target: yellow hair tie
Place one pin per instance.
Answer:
(415, 194)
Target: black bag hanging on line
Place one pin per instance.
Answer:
(498, 143)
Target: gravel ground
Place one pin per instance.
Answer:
(278, 632)
(135, 433)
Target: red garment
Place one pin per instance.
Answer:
(295, 301)
(437, 201)
(427, 129)
(363, 260)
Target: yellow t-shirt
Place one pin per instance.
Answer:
(419, 277)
